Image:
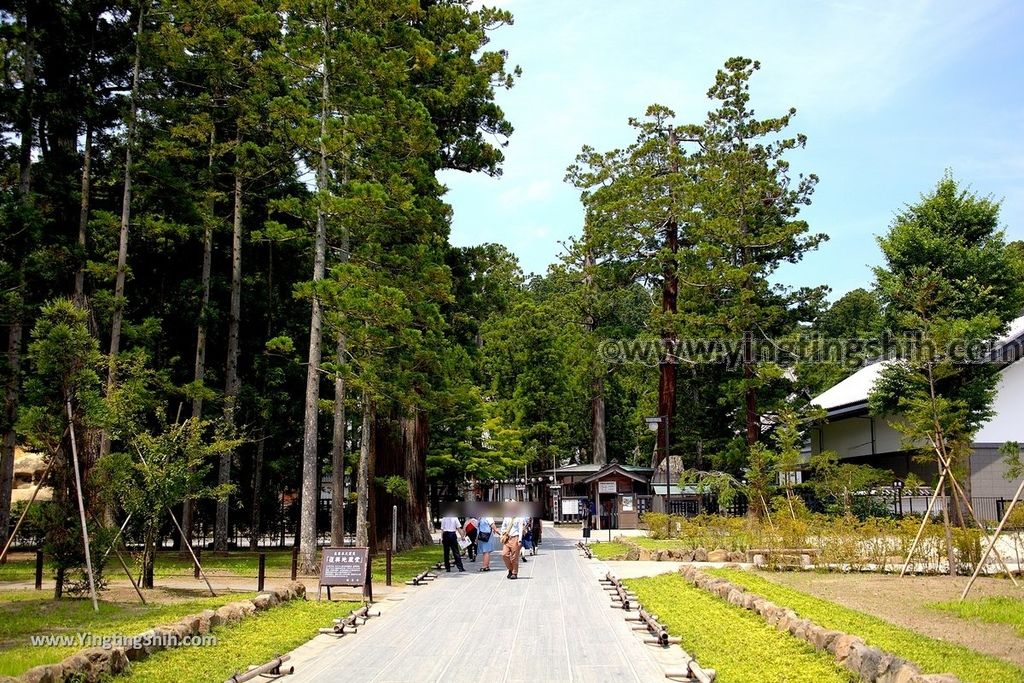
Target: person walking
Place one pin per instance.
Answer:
(451, 530)
(537, 526)
(486, 542)
(526, 540)
(511, 533)
(472, 530)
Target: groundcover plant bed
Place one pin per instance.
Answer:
(933, 656)
(736, 643)
(25, 613)
(253, 641)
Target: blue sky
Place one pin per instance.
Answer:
(890, 95)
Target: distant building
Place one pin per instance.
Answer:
(858, 437)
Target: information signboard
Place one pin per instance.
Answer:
(345, 567)
(607, 487)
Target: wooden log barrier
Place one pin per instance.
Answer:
(423, 577)
(271, 668)
(647, 622)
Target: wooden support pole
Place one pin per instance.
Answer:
(10, 539)
(128, 573)
(39, 570)
(295, 562)
(992, 541)
(924, 521)
(81, 508)
(970, 508)
(262, 573)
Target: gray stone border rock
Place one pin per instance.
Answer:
(850, 651)
(637, 552)
(96, 663)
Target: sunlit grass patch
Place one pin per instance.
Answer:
(251, 642)
(993, 610)
(609, 550)
(25, 613)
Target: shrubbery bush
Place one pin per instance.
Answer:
(846, 543)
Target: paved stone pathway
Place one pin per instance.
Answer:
(554, 623)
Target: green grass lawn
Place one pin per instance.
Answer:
(236, 563)
(253, 641)
(19, 570)
(408, 563)
(609, 551)
(23, 613)
(933, 656)
(404, 565)
(997, 610)
(738, 644)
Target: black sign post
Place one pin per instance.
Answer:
(345, 567)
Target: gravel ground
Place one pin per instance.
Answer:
(904, 602)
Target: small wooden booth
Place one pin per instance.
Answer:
(621, 494)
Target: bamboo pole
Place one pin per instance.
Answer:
(992, 542)
(24, 513)
(924, 521)
(118, 535)
(81, 508)
(970, 508)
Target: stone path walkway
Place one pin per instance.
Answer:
(554, 624)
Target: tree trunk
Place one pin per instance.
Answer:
(14, 331)
(947, 530)
(417, 436)
(363, 475)
(10, 416)
(597, 434)
(199, 374)
(231, 381)
(122, 249)
(963, 514)
(667, 366)
(753, 420)
(598, 439)
(338, 451)
(310, 487)
(669, 307)
(83, 216)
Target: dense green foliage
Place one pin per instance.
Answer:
(933, 656)
(197, 177)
